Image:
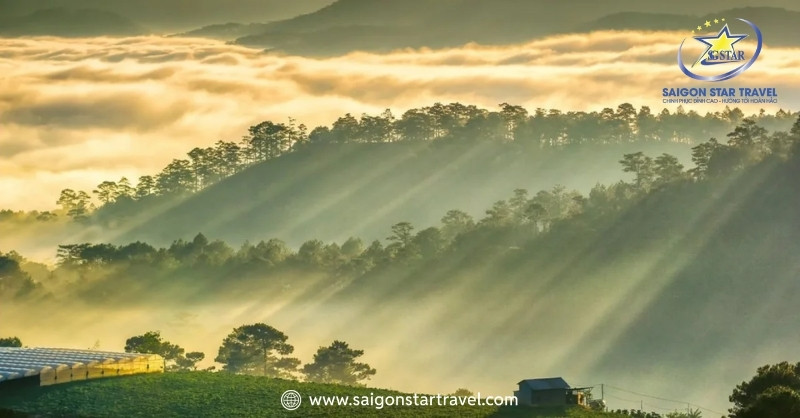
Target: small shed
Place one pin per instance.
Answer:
(549, 391)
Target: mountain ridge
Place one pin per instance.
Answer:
(488, 24)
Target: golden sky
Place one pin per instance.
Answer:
(74, 112)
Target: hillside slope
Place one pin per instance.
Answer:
(694, 282)
(200, 394)
(333, 193)
(680, 285)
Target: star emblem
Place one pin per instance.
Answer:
(723, 41)
(708, 23)
(716, 20)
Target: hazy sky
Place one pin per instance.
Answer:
(178, 14)
(76, 112)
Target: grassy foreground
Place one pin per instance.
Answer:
(201, 394)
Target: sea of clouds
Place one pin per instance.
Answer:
(74, 112)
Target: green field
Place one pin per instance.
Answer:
(201, 394)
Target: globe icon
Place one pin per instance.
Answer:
(291, 400)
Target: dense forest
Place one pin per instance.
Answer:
(662, 262)
(437, 157)
(520, 222)
(446, 123)
(442, 123)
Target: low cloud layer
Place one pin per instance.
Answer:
(76, 112)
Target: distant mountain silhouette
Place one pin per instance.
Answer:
(641, 21)
(349, 25)
(67, 22)
(379, 25)
(226, 31)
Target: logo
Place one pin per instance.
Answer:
(291, 400)
(720, 54)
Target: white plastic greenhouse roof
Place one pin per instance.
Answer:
(55, 365)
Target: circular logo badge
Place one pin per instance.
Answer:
(720, 54)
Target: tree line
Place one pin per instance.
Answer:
(450, 123)
(507, 223)
(261, 350)
(254, 349)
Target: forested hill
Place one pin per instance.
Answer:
(341, 190)
(673, 272)
(666, 289)
(359, 175)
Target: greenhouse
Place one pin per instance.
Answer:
(53, 366)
